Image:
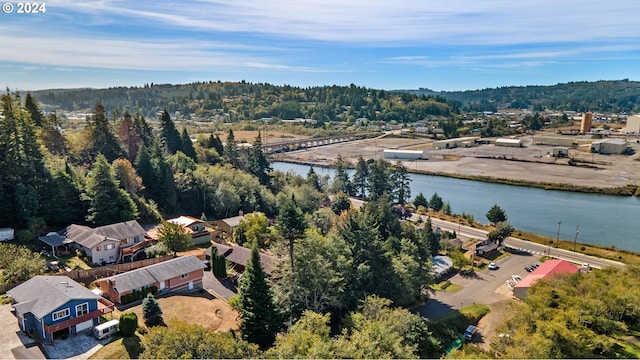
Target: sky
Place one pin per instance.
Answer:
(443, 45)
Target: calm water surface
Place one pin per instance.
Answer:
(602, 219)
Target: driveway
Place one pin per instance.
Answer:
(222, 289)
(80, 346)
(13, 343)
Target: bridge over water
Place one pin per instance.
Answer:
(299, 144)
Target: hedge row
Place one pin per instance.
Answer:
(137, 295)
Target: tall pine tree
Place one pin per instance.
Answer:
(108, 203)
(360, 178)
(230, 153)
(170, 137)
(260, 318)
(258, 162)
(187, 145)
(31, 105)
(103, 140)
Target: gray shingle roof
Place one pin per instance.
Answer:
(89, 237)
(240, 255)
(41, 295)
(155, 273)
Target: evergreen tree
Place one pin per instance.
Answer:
(313, 179)
(341, 180)
(108, 203)
(128, 324)
(102, 139)
(401, 183)
(291, 223)
(151, 312)
(379, 181)
(436, 202)
(216, 144)
(258, 163)
(230, 152)
(260, 318)
(187, 145)
(31, 105)
(143, 130)
(52, 136)
(169, 136)
(433, 239)
(360, 178)
(496, 214)
(420, 200)
(129, 136)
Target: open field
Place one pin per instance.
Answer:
(241, 136)
(197, 308)
(529, 163)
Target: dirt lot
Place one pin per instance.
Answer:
(202, 309)
(531, 163)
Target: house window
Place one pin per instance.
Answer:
(82, 309)
(97, 248)
(109, 246)
(60, 314)
(137, 239)
(184, 276)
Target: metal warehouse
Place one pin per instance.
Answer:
(402, 154)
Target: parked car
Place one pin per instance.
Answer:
(468, 334)
(528, 268)
(516, 278)
(493, 266)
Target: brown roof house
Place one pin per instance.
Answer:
(195, 227)
(239, 255)
(109, 243)
(183, 273)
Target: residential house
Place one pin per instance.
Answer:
(239, 255)
(486, 247)
(196, 227)
(178, 274)
(49, 306)
(227, 226)
(108, 243)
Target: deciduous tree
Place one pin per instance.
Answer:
(174, 236)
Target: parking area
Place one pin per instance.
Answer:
(480, 287)
(80, 346)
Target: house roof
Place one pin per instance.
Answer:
(90, 237)
(148, 275)
(488, 247)
(548, 268)
(441, 264)
(233, 221)
(41, 295)
(54, 239)
(240, 255)
(185, 221)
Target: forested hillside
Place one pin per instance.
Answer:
(620, 96)
(234, 101)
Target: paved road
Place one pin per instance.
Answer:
(519, 244)
(467, 232)
(217, 288)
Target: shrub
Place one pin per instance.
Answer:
(128, 324)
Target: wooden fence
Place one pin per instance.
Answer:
(87, 276)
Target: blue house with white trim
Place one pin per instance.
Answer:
(51, 306)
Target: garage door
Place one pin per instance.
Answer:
(84, 325)
(190, 285)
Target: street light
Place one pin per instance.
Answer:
(558, 236)
(576, 239)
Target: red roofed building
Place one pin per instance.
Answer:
(547, 269)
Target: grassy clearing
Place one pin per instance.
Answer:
(120, 348)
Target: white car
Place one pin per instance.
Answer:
(516, 278)
(493, 266)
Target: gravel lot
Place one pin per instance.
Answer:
(532, 162)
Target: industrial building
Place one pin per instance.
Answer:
(456, 142)
(402, 154)
(633, 124)
(568, 141)
(609, 146)
(509, 142)
(585, 125)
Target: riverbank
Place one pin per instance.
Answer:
(531, 165)
(625, 190)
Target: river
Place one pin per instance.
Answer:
(603, 220)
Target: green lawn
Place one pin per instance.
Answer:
(120, 348)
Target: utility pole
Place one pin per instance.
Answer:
(558, 236)
(576, 239)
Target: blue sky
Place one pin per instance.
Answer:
(399, 44)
